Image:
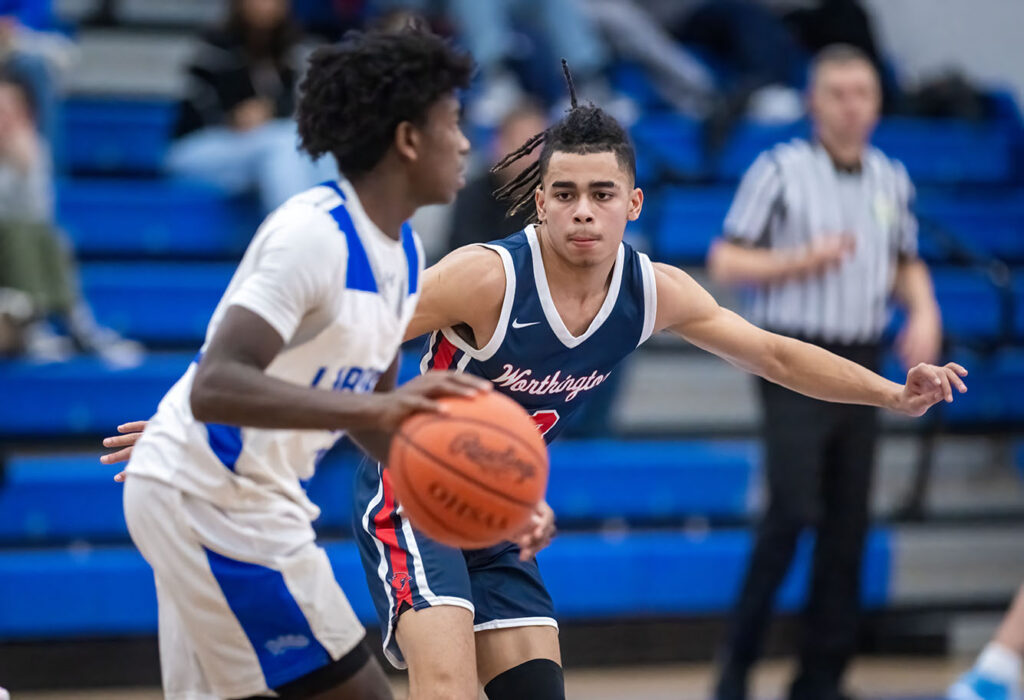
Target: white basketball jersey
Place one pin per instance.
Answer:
(341, 293)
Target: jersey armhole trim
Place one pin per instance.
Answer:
(650, 297)
(488, 350)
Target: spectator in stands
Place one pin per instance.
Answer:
(821, 233)
(234, 127)
(35, 259)
(489, 30)
(36, 55)
(479, 216)
(635, 34)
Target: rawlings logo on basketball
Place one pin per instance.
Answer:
(501, 463)
(451, 501)
(519, 380)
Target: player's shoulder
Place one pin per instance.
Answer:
(307, 217)
(475, 272)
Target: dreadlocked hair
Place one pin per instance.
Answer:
(584, 129)
(357, 92)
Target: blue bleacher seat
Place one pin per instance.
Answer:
(969, 303)
(59, 497)
(706, 478)
(989, 224)
(113, 135)
(156, 302)
(83, 591)
(147, 218)
(39, 494)
(689, 219)
(83, 395)
(666, 143)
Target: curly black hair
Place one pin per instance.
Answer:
(585, 129)
(356, 92)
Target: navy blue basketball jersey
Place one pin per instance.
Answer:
(532, 357)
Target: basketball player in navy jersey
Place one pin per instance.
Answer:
(546, 314)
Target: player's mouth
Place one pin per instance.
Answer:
(585, 242)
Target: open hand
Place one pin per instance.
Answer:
(130, 434)
(927, 385)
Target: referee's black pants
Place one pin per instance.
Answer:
(819, 459)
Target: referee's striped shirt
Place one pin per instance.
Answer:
(793, 193)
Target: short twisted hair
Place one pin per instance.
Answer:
(358, 91)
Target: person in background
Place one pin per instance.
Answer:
(38, 281)
(479, 216)
(234, 128)
(35, 54)
(821, 234)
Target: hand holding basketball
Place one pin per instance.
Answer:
(422, 394)
(473, 475)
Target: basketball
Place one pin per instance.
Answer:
(471, 477)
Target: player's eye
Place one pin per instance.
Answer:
(563, 196)
(603, 196)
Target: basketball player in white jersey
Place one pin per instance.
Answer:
(312, 319)
(583, 191)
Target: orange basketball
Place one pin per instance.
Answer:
(471, 477)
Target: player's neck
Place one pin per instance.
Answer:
(385, 200)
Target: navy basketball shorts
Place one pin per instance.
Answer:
(406, 569)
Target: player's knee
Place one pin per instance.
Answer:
(540, 679)
(443, 683)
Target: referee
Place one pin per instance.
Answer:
(820, 236)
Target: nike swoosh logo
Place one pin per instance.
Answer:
(517, 324)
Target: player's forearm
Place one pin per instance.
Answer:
(234, 393)
(815, 372)
(733, 264)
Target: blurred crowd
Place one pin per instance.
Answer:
(716, 61)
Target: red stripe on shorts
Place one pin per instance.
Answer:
(384, 529)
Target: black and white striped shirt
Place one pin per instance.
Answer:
(794, 193)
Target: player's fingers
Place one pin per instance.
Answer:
(135, 426)
(120, 476)
(956, 368)
(422, 404)
(121, 440)
(117, 457)
(451, 385)
(947, 390)
(472, 381)
(954, 379)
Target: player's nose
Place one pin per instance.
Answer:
(583, 213)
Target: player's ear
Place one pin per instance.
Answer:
(636, 203)
(407, 141)
(539, 200)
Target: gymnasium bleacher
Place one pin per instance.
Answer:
(654, 521)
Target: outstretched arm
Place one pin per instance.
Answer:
(686, 309)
